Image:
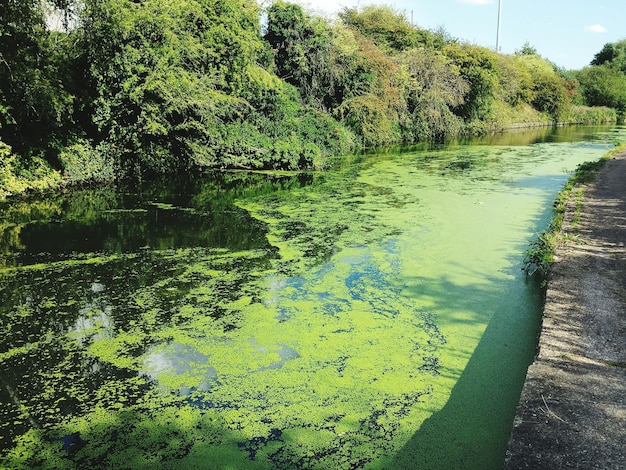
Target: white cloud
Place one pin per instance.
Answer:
(596, 28)
(475, 2)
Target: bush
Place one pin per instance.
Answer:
(368, 116)
(9, 183)
(81, 162)
(432, 88)
(589, 115)
(18, 176)
(603, 85)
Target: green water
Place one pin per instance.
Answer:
(372, 316)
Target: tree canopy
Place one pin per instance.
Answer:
(612, 54)
(130, 88)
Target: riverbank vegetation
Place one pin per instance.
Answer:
(120, 88)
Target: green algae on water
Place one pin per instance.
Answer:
(367, 317)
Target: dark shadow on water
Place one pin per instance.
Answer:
(471, 431)
(181, 211)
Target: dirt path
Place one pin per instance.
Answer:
(572, 412)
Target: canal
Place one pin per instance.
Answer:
(374, 315)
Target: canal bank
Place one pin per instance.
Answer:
(572, 411)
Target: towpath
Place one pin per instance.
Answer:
(572, 412)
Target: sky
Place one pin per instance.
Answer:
(567, 32)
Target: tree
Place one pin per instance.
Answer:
(303, 52)
(514, 80)
(388, 28)
(479, 67)
(613, 54)
(433, 87)
(527, 49)
(166, 76)
(391, 30)
(287, 30)
(540, 85)
(33, 107)
(603, 85)
(372, 94)
(551, 95)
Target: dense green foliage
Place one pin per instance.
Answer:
(176, 85)
(603, 85)
(132, 88)
(33, 99)
(613, 54)
(604, 82)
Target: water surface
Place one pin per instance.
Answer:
(372, 316)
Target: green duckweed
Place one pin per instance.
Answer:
(373, 316)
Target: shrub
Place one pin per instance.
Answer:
(9, 183)
(81, 162)
(367, 115)
(589, 115)
(18, 176)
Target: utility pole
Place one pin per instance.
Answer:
(499, 21)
